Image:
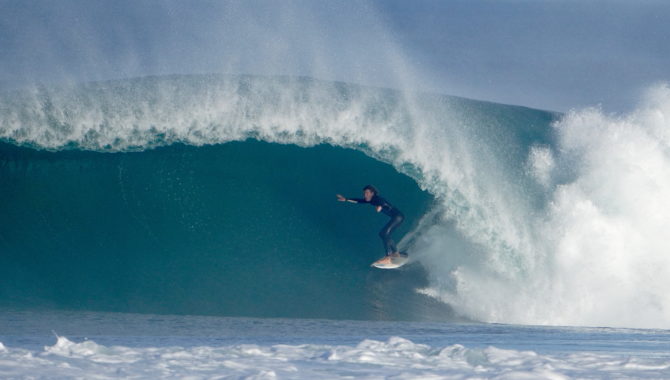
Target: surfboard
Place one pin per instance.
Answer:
(396, 262)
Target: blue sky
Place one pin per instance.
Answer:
(549, 54)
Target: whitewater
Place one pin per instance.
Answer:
(113, 345)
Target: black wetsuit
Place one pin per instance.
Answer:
(396, 219)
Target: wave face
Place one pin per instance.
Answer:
(245, 228)
(520, 216)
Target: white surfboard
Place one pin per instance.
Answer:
(396, 262)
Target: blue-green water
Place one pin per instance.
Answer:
(244, 228)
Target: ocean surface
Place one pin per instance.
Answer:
(188, 224)
(110, 345)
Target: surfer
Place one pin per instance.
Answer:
(371, 196)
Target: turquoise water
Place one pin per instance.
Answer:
(204, 230)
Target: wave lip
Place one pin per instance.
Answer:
(200, 109)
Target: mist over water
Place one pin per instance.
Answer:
(77, 41)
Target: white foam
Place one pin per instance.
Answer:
(597, 253)
(396, 357)
(541, 164)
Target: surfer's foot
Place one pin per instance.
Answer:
(385, 260)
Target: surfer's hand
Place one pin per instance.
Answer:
(341, 198)
(379, 208)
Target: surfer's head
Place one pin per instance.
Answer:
(369, 191)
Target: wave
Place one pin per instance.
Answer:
(532, 220)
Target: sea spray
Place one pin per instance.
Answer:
(610, 221)
(599, 250)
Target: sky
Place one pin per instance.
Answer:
(548, 54)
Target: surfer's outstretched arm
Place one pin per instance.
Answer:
(342, 198)
(357, 200)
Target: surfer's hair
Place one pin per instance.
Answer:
(371, 188)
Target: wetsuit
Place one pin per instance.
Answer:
(396, 219)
